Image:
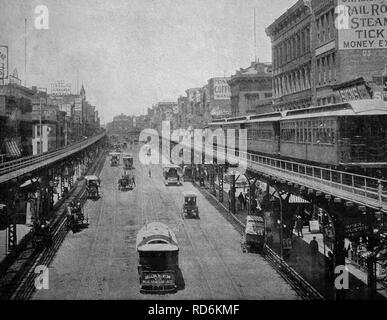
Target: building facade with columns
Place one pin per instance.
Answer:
(312, 57)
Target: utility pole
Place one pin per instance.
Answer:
(25, 52)
(40, 118)
(255, 35)
(384, 83)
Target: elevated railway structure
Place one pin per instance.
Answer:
(347, 198)
(35, 183)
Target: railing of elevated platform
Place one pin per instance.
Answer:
(362, 190)
(10, 166)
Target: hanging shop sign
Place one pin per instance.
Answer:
(355, 230)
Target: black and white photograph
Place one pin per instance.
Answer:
(211, 152)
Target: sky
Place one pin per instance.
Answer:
(131, 54)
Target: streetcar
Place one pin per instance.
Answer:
(172, 174)
(128, 161)
(158, 254)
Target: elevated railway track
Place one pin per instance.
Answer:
(13, 169)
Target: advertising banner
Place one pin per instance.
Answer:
(3, 62)
(222, 90)
(362, 24)
(355, 230)
(60, 88)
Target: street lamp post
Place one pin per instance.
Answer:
(40, 119)
(281, 227)
(313, 29)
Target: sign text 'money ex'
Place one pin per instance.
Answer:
(362, 24)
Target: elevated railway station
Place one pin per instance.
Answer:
(351, 190)
(30, 186)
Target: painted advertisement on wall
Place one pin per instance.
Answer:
(222, 90)
(361, 24)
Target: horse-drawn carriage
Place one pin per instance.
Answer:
(75, 216)
(126, 182)
(114, 159)
(3, 217)
(254, 235)
(93, 184)
(128, 161)
(118, 148)
(41, 234)
(190, 208)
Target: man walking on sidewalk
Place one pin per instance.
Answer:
(254, 205)
(299, 226)
(241, 199)
(314, 251)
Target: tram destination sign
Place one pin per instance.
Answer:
(362, 24)
(155, 278)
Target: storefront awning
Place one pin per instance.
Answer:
(296, 199)
(12, 148)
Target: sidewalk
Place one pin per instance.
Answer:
(299, 258)
(352, 268)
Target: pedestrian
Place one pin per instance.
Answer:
(299, 226)
(240, 198)
(314, 251)
(254, 205)
(245, 202)
(330, 265)
(150, 173)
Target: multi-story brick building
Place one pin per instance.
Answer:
(182, 107)
(44, 116)
(312, 57)
(122, 124)
(15, 120)
(251, 89)
(81, 117)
